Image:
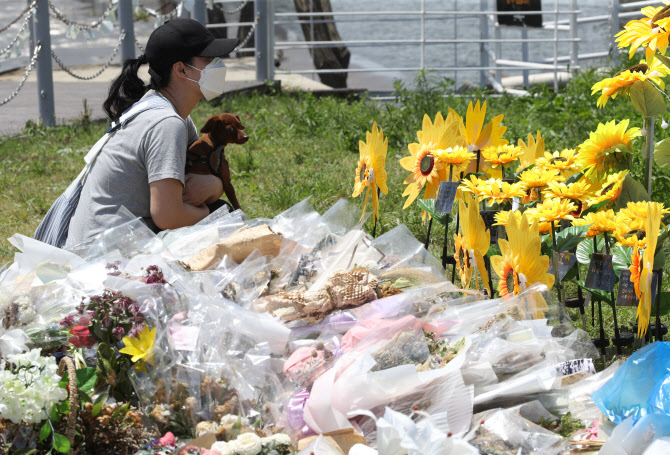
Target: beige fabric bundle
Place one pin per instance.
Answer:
(238, 247)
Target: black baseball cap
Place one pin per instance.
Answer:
(180, 40)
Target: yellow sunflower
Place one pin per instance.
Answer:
(371, 170)
(623, 80)
(635, 210)
(476, 238)
(456, 156)
(539, 178)
(502, 217)
(577, 192)
(565, 162)
(425, 169)
(501, 155)
(553, 210)
(649, 31)
(635, 270)
(631, 232)
(610, 190)
(494, 190)
(521, 261)
(601, 152)
(598, 222)
(532, 151)
(462, 261)
(653, 223)
(473, 185)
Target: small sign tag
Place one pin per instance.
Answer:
(601, 274)
(565, 262)
(446, 196)
(489, 219)
(576, 366)
(626, 292)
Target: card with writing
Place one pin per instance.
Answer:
(601, 273)
(564, 262)
(445, 197)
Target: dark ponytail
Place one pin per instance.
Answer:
(126, 89)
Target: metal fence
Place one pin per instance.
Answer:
(488, 38)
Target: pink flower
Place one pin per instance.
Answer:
(168, 440)
(81, 337)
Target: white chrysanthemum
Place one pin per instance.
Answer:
(247, 444)
(229, 420)
(223, 448)
(279, 438)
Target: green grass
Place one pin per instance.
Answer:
(306, 146)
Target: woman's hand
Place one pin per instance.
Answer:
(201, 189)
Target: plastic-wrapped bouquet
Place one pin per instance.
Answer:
(252, 444)
(29, 387)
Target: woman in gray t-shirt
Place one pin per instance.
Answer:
(142, 165)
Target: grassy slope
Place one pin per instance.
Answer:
(303, 146)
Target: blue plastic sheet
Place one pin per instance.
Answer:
(640, 387)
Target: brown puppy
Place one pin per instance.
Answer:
(206, 155)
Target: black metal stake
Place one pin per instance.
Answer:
(593, 310)
(487, 262)
(430, 226)
(374, 228)
(659, 336)
(616, 324)
(446, 227)
(555, 265)
(458, 220)
(602, 332)
(581, 300)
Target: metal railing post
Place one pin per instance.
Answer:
(199, 12)
(524, 55)
(423, 33)
(574, 45)
(556, 45)
(31, 30)
(264, 40)
(126, 24)
(45, 83)
(498, 54)
(483, 35)
(614, 26)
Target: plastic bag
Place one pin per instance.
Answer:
(639, 387)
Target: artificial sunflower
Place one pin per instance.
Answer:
(426, 170)
(635, 270)
(371, 171)
(473, 185)
(653, 223)
(456, 156)
(553, 210)
(140, 348)
(623, 80)
(635, 210)
(501, 155)
(532, 151)
(610, 190)
(604, 148)
(598, 222)
(649, 31)
(502, 217)
(631, 232)
(476, 238)
(565, 162)
(521, 262)
(495, 190)
(577, 192)
(539, 178)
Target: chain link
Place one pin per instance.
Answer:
(6, 27)
(139, 46)
(249, 35)
(81, 26)
(97, 73)
(232, 11)
(18, 35)
(163, 17)
(29, 68)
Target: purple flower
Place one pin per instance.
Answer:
(118, 332)
(68, 321)
(106, 321)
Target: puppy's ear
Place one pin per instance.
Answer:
(210, 124)
(237, 117)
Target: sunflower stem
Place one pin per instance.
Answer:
(374, 220)
(649, 156)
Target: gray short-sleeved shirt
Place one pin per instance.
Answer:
(150, 147)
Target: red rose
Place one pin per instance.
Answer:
(81, 337)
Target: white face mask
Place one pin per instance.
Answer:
(212, 78)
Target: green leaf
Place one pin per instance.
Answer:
(574, 178)
(45, 431)
(429, 206)
(597, 294)
(631, 191)
(25, 451)
(594, 208)
(662, 153)
(570, 237)
(86, 379)
(61, 443)
(121, 410)
(98, 404)
(665, 60)
(621, 258)
(585, 250)
(659, 259)
(647, 99)
(480, 175)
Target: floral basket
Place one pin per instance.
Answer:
(66, 364)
